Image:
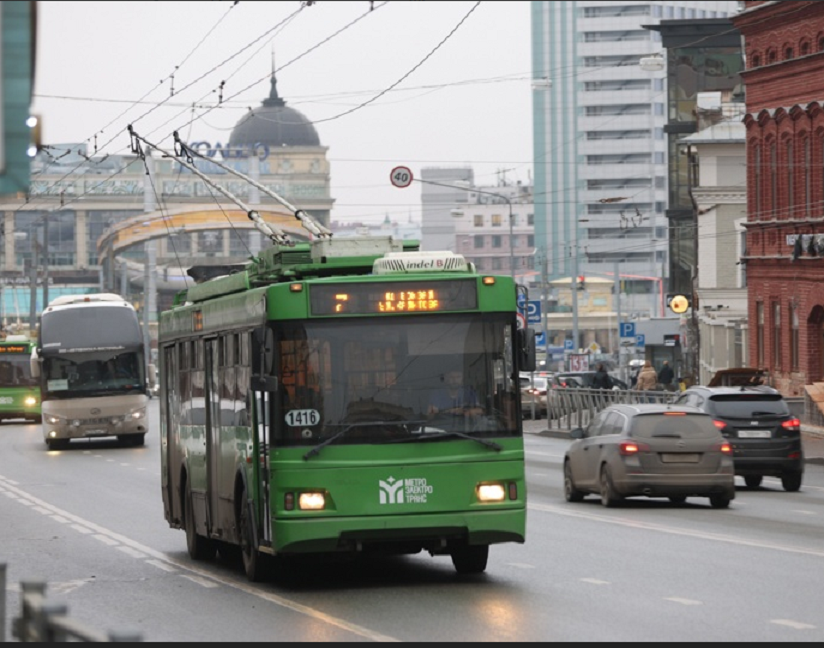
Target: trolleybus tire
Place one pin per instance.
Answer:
(254, 562)
(200, 548)
(57, 444)
(471, 559)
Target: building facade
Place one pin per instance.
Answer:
(785, 189)
(600, 152)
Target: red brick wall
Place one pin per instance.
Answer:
(784, 85)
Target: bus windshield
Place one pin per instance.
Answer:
(93, 374)
(15, 371)
(400, 379)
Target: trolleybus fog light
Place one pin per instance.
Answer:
(491, 493)
(312, 502)
(30, 401)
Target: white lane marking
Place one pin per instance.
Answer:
(41, 510)
(81, 529)
(684, 601)
(669, 530)
(521, 565)
(533, 453)
(125, 465)
(595, 581)
(201, 581)
(60, 519)
(132, 553)
(162, 565)
(795, 625)
(68, 587)
(813, 513)
(113, 539)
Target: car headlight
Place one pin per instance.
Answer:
(30, 401)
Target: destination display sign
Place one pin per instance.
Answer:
(13, 348)
(394, 297)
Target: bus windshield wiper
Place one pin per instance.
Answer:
(443, 433)
(348, 426)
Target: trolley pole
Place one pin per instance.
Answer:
(150, 263)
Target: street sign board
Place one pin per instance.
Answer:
(640, 340)
(521, 319)
(540, 340)
(533, 312)
(579, 362)
(627, 329)
(569, 345)
(401, 177)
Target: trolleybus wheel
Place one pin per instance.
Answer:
(253, 560)
(200, 548)
(57, 444)
(471, 559)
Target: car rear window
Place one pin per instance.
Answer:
(749, 405)
(686, 426)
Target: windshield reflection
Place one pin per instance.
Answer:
(395, 380)
(15, 371)
(88, 374)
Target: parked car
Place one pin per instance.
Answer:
(650, 450)
(585, 378)
(765, 436)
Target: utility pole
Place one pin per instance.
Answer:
(33, 278)
(618, 318)
(574, 284)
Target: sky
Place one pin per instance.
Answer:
(415, 83)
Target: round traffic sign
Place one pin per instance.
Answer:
(401, 176)
(521, 319)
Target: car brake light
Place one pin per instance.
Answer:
(719, 424)
(725, 448)
(791, 424)
(630, 448)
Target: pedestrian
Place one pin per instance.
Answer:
(601, 379)
(666, 376)
(647, 379)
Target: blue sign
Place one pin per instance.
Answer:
(540, 340)
(640, 340)
(533, 312)
(569, 345)
(627, 329)
(521, 301)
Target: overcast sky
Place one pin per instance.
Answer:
(414, 83)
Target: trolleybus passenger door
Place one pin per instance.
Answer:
(264, 393)
(170, 445)
(212, 431)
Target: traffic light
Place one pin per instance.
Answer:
(679, 303)
(580, 282)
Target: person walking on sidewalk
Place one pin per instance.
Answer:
(647, 379)
(666, 376)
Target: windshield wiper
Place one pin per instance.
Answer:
(443, 433)
(348, 426)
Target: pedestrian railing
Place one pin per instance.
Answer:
(42, 620)
(572, 408)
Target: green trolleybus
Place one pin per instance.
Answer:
(19, 391)
(347, 396)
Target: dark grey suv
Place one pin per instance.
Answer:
(765, 436)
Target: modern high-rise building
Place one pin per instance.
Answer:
(600, 150)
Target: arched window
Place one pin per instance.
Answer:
(790, 157)
(756, 60)
(804, 48)
(808, 176)
(773, 180)
(758, 187)
(788, 53)
(772, 56)
(821, 43)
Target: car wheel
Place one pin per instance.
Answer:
(720, 501)
(678, 499)
(753, 481)
(571, 494)
(791, 481)
(471, 559)
(199, 548)
(609, 498)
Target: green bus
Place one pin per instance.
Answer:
(19, 390)
(348, 396)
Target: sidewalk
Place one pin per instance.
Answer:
(812, 439)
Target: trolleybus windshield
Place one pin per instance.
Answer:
(395, 380)
(15, 367)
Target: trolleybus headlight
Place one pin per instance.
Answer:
(491, 493)
(29, 401)
(139, 414)
(311, 501)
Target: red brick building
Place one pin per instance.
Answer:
(784, 80)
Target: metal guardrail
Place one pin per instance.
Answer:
(572, 408)
(42, 620)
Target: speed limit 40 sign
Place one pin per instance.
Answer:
(401, 177)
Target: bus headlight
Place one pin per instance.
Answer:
(30, 401)
(138, 414)
(491, 493)
(52, 420)
(312, 501)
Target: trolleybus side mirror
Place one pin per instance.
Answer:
(34, 364)
(527, 355)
